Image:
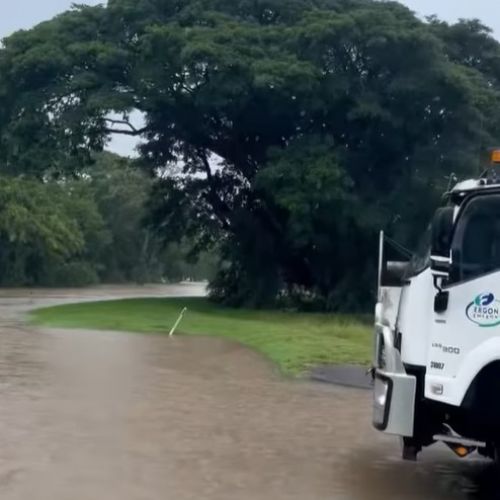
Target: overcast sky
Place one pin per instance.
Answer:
(18, 14)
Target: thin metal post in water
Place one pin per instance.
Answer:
(179, 319)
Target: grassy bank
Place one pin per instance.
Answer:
(294, 341)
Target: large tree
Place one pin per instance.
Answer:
(287, 131)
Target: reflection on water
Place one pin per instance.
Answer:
(438, 475)
(104, 416)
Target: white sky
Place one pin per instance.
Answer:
(23, 14)
(488, 11)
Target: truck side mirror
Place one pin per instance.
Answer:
(442, 228)
(394, 273)
(441, 301)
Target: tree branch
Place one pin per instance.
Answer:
(132, 133)
(207, 167)
(121, 122)
(219, 206)
(131, 130)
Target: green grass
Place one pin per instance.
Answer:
(294, 341)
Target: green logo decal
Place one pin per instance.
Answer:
(484, 310)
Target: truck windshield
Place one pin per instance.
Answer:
(476, 245)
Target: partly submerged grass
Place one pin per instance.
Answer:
(295, 341)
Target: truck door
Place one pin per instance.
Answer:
(465, 333)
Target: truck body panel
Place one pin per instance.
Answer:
(437, 331)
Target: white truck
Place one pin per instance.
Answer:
(437, 329)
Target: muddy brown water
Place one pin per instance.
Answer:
(113, 416)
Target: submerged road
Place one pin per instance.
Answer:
(112, 416)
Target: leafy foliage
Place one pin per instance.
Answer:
(84, 230)
(37, 231)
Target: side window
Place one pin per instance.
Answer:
(476, 244)
(421, 259)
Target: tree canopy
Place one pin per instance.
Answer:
(286, 131)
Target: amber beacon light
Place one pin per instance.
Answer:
(495, 156)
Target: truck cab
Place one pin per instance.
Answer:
(437, 329)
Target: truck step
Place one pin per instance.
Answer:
(469, 443)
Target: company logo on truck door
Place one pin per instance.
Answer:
(484, 310)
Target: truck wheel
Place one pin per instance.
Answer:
(411, 449)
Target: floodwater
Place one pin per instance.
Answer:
(114, 416)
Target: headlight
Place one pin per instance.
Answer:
(380, 393)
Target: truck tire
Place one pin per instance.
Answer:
(410, 449)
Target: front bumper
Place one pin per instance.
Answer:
(394, 390)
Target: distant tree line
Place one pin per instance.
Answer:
(86, 229)
(283, 133)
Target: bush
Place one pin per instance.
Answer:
(77, 274)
